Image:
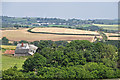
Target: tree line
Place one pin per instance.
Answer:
(77, 59)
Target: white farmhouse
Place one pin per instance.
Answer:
(25, 49)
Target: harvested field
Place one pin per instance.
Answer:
(102, 25)
(113, 38)
(111, 34)
(22, 34)
(63, 30)
(8, 46)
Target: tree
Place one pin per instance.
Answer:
(5, 41)
(105, 51)
(80, 44)
(35, 62)
(100, 71)
(12, 73)
(15, 43)
(23, 41)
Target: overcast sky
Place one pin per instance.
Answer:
(60, 0)
(81, 10)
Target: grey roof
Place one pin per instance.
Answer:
(27, 48)
(21, 51)
(24, 45)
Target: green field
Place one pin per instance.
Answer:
(10, 61)
(85, 25)
(107, 27)
(58, 25)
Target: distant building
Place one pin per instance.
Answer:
(95, 38)
(25, 49)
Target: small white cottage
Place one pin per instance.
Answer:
(25, 49)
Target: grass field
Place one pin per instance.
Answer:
(8, 62)
(22, 34)
(58, 25)
(107, 27)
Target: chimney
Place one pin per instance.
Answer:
(22, 44)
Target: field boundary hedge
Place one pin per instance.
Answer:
(115, 36)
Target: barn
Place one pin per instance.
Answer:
(10, 52)
(25, 49)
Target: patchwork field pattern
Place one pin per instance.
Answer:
(107, 27)
(22, 34)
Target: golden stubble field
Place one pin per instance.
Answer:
(22, 34)
(63, 30)
(112, 34)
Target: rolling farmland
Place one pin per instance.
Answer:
(110, 27)
(63, 30)
(112, 34)
(107, 27)
(22, 34)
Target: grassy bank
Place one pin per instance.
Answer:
(10, 61)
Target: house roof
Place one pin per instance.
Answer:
(22, 45)
(23, 48)
(21, 51)
(9, 51)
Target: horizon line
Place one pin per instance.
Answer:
(58, 17)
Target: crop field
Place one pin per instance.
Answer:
(8, 62)
(102, 25)
(112, 34)
(107, 27)
(22, 34)
(8, 46)
(113, 38)
(63, 30)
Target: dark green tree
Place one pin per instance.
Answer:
(34, 62)
(5, 41)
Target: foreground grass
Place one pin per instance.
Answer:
(10, 61)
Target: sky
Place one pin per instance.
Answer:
(60, 0)
(65, 10)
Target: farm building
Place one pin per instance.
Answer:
(10, 52)
(25, 49)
